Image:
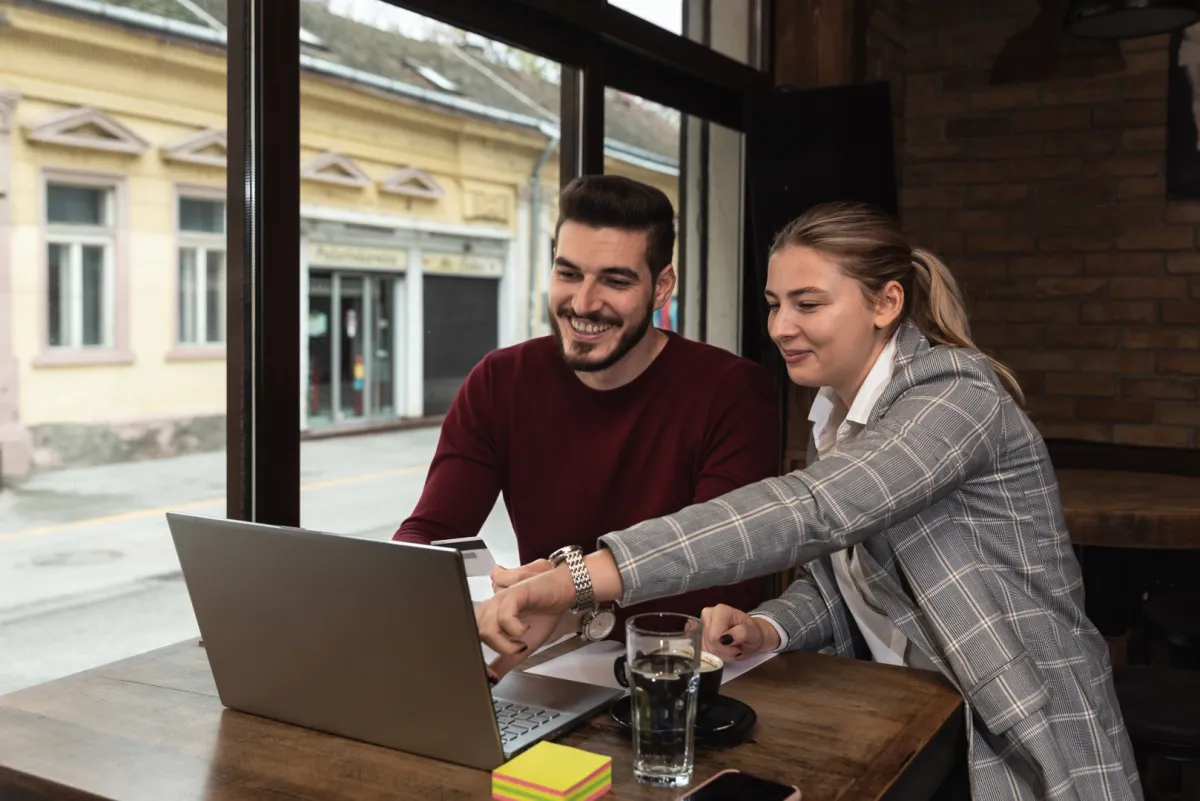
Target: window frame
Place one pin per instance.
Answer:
(113, 237)
(201, 350)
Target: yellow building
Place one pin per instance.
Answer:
(429, 175)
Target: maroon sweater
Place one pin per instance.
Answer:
(575, 463)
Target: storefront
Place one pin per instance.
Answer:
(394, 319)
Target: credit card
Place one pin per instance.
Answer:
(477, 559)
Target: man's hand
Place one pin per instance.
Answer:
(503, 577)
(518, 620)
(733, 635)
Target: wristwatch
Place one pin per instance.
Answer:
(596, 621)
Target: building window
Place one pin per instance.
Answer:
(201, 271)
(80, 263)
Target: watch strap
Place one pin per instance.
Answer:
(585, 597)
(572, 555)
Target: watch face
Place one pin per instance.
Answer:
(600, 624)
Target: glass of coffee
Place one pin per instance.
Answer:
(663, 660)
(712, 668)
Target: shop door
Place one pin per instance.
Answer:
(351, 346)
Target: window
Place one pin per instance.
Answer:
(432, 75)
(201, 271)
(419, 258)
(79, 261)
(642, 142)
(110, 423)
(695, 162)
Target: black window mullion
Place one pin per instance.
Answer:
(263, 258)
(591, 132)
(582, 122)
(571, 123)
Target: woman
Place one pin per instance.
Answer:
(927, 522)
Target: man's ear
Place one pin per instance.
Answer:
(664, 286)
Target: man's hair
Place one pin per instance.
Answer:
(613, 201)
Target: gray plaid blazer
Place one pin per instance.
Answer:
(951, 504)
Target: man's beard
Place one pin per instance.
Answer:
(630, 337)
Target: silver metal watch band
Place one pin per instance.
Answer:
(585, 598)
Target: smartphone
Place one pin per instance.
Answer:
(733, 785)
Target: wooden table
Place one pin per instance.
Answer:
(1130, 510)
(152, 728)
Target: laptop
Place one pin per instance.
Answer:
(372, 640)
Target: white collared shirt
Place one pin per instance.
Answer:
(833, 425)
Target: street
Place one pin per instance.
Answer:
(88, 573)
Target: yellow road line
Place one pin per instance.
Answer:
(337, 482)
(122, 517)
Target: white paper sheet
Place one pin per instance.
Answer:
(735, 669)
(593, 664)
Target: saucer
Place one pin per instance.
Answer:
(727, 721)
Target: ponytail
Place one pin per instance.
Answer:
(937, 308)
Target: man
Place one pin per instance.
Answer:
(610, 421)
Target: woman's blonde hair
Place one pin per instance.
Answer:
(872, 248)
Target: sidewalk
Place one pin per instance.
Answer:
(80, 536)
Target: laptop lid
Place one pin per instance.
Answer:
(368, 639)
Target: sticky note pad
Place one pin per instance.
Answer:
(553, 772)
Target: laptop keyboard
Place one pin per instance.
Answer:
(518, 719)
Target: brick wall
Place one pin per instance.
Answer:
(885, 54)
(1047, 200)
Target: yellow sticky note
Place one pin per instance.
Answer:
(553, 772)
